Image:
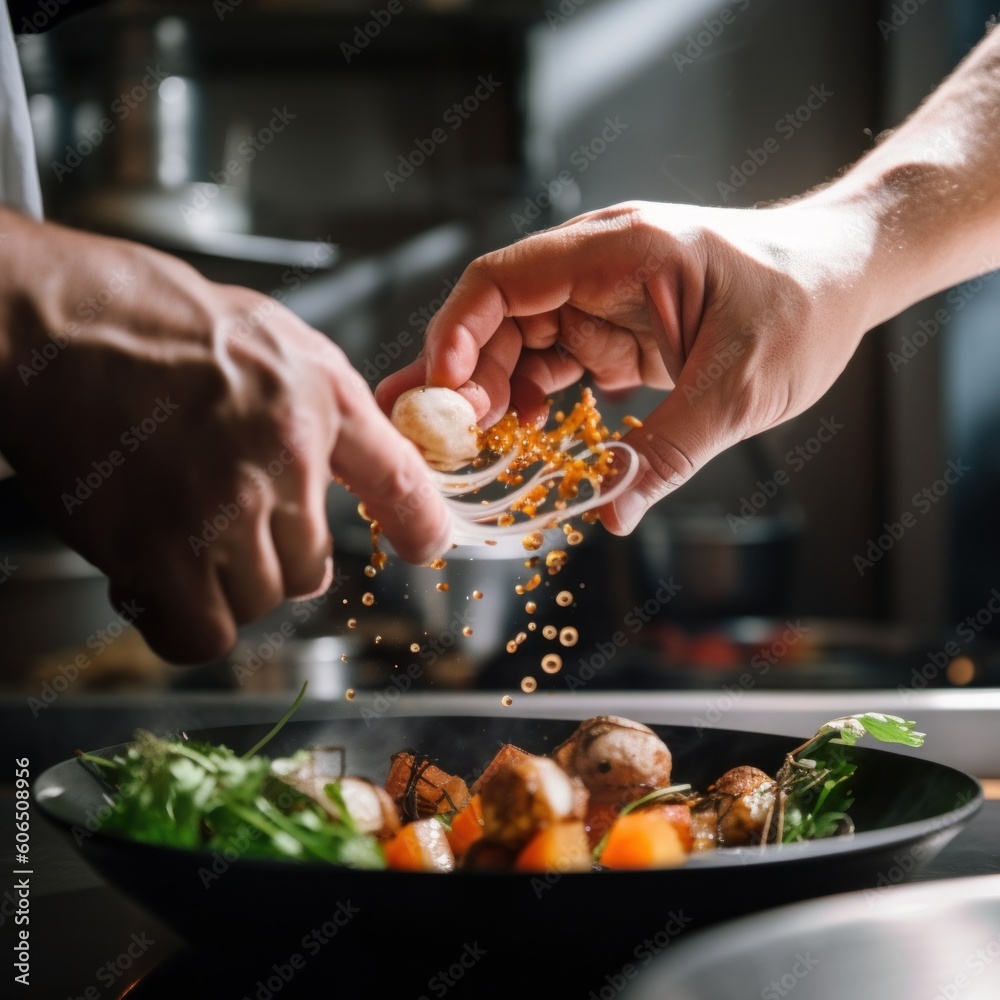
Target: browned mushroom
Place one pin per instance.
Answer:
(617, 759)
(744, 802)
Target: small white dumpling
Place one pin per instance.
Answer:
(441, 423)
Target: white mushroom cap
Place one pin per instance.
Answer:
(441, 423)
(617, 759)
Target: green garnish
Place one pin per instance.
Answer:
(813, 797)
(202, 796)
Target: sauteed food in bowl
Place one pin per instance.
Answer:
(606, 797)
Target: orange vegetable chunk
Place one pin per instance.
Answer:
(562, 847)
(466, 827)
(643, 840)
(421, 846)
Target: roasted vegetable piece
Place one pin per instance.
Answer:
(420, 846)
(617, 759)
(370, 807)
(505, 756)
(528, 795)
(420, 788)
(643, 839)
(744, 802)
(466, 827)
(600, 818)
(678, 813)
(562, 847)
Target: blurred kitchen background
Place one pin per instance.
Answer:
(290, 146)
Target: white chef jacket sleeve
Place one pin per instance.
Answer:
(19, 185)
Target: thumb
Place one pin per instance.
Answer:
(682, 434)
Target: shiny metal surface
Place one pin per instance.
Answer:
(938, 940)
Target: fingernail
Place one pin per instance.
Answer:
(629, 510)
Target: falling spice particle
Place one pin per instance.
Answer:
(438, 563)
(533, 582)
(349, 694)
(520, 637)
(533, 540)
(511, 646)
(467, 631)
(555, 560)
(569, 636)
(378, 639)
(379, 560)
(443, 587)
(414, 647)
(531, 563)
(528, 684)
(550, 631)
(564, 598)
(531, 607)
(506, 701)
(368, 599)
(532, 626)
(352, 623)
(477, 595)
(574, 538)
(343, 657)
(370, 571)
(630, 421)
(552, 663)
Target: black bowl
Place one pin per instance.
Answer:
(906, 809)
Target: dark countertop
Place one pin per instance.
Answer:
(90, 942)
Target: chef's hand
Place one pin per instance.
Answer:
(748, 316)
(182, 434)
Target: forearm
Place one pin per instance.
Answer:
(933, 190)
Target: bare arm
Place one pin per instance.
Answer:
(748, 315)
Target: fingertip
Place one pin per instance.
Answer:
(394, 385)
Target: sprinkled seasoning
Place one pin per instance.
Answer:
(438, 564)
(533, 582)
(528, 684)
(556, 559)
(550, 631)
(564, 598)
(352, 623)
(511, 646)
(552, 663)
(368, 599)
(467, 631)
(477, 595)
(531, 607)
(443, 587)
(506, 701)
(349, 694)
(370, 571)
(569, 636)
(533, 540)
